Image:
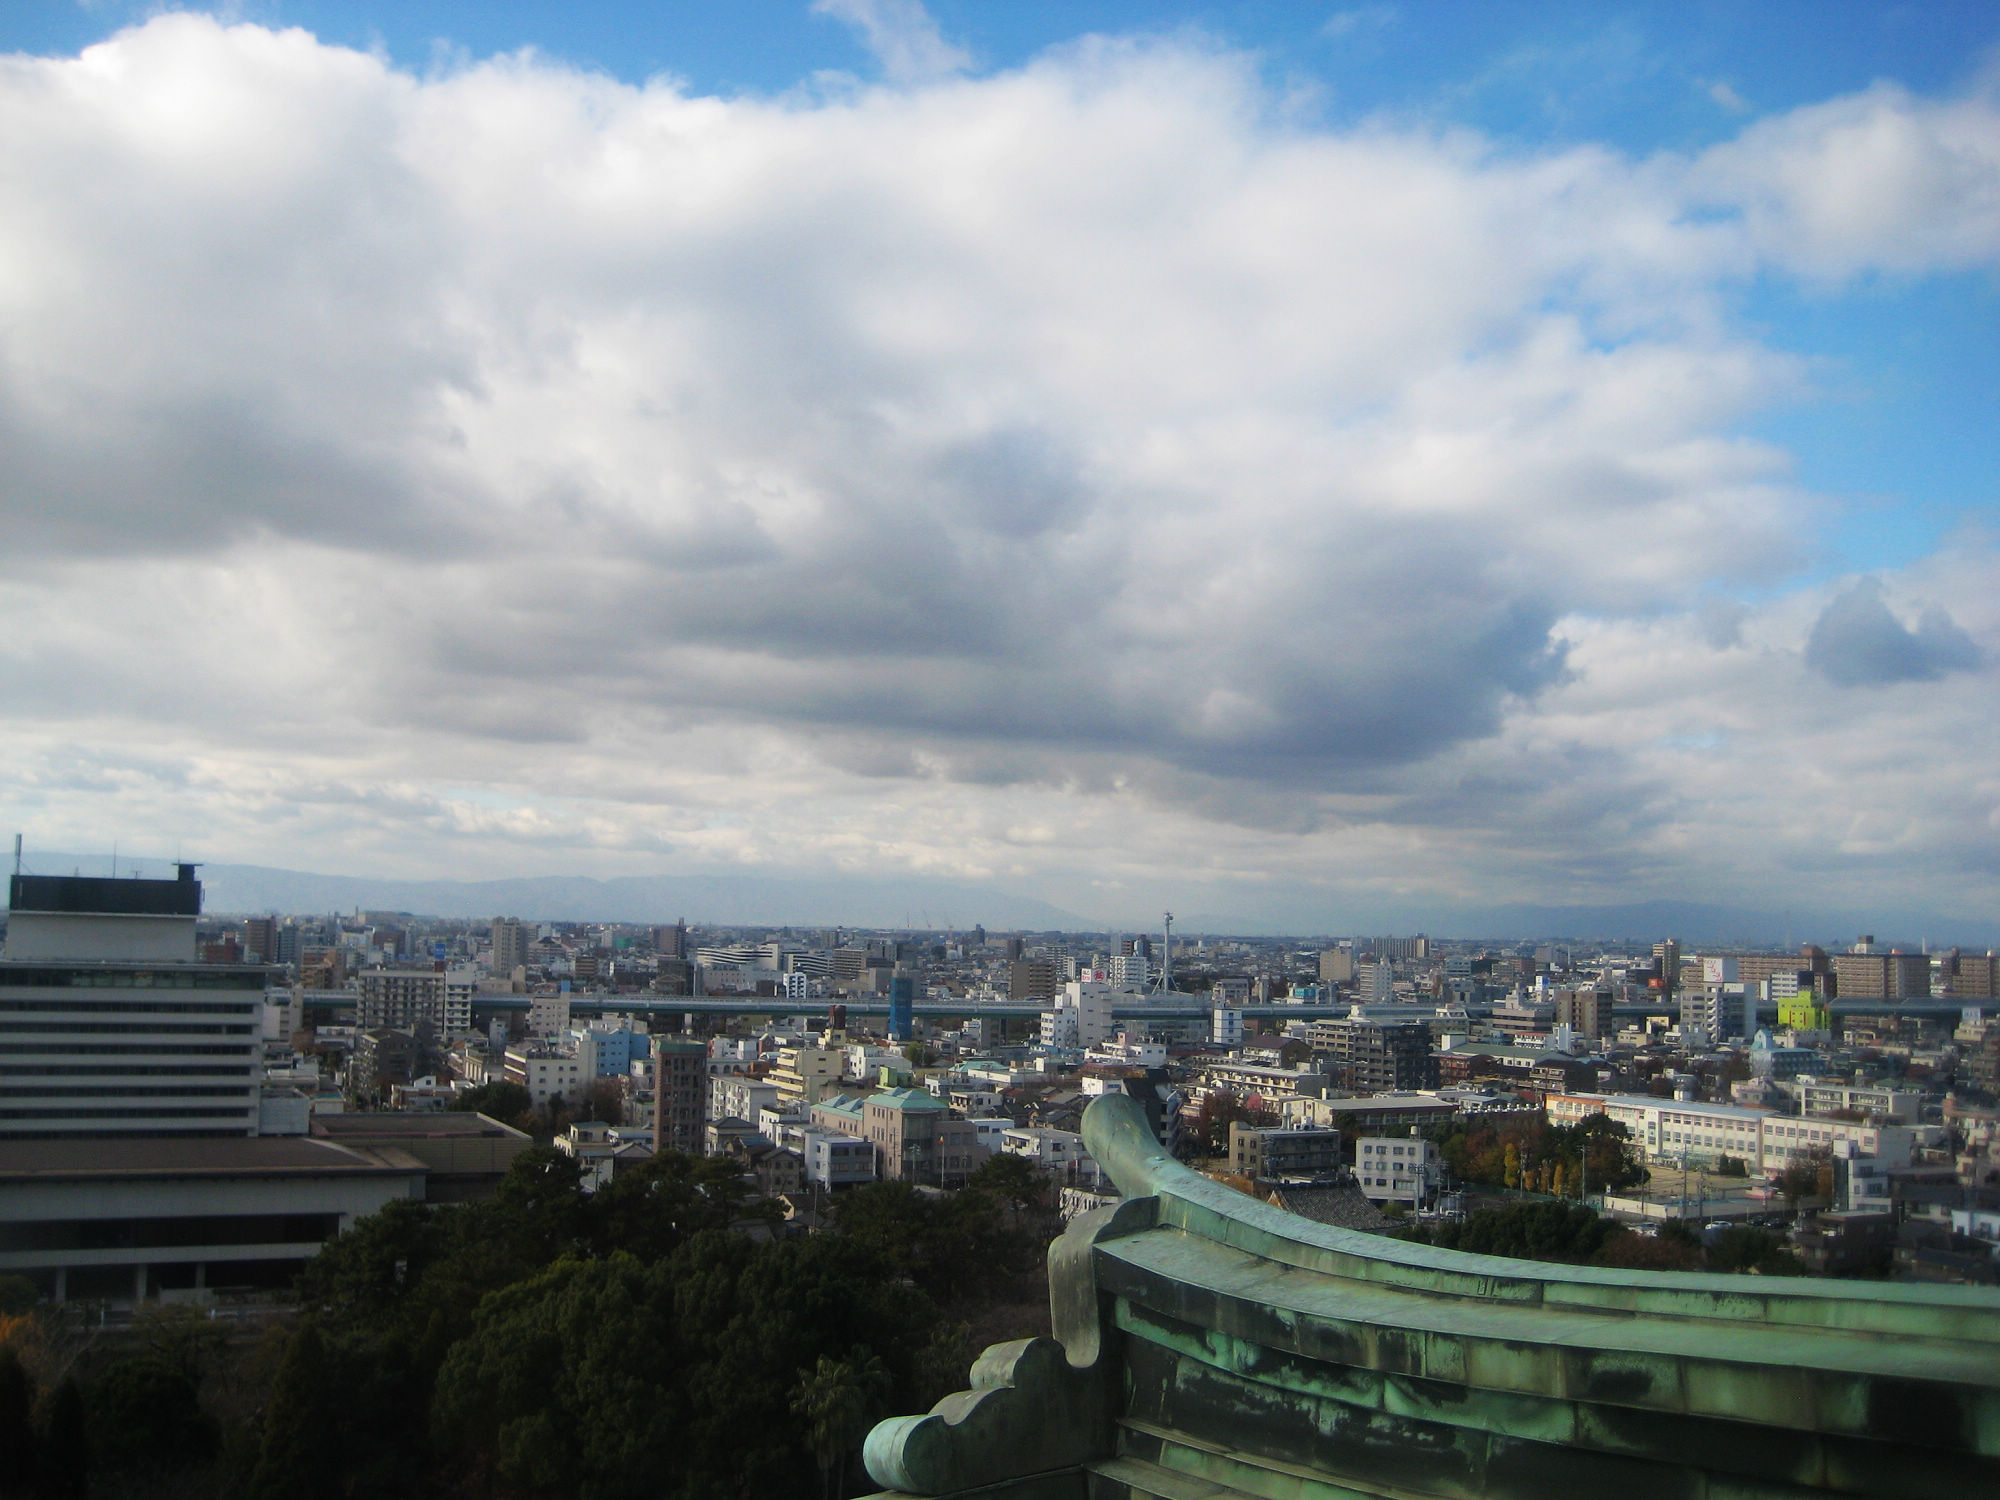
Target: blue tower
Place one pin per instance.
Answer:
(902, 1006)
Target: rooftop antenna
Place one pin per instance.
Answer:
(17, 854)
(1166, 984)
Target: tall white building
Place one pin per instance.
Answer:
(108, 1026)
(1082, 1015)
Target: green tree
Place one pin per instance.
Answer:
(557, 1389)
(604, 1099)
(1809, 1175)
(499, 1100)
(651, 1211)
(292, 1460)
(839, 1400)
(1746, 1249)
(145, 1413)
(1012, 1179)
(1567, 1232)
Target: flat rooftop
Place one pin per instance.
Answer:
(447, 1126)
(194, 1156)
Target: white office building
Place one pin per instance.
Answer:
(108, 1026)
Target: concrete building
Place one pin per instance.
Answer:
(834, 1161)
(1031, 979)
(1396, 1170)
(680, 1094)
(1585, 1011)
(1082, 1015)
(806, 1075)
(1676, 1131)
(1372, 1115)
(548, 1072)
(912, 1133)
(548, 1013)
(1059, 1153)
(465, 1154)
(1867, 975)
(510, 947)
(1831, 1096)
(112, 1029)
(128, 1219)
(1376, 1056)
(1266, 1154)
(410, 1000)
(738, 1096)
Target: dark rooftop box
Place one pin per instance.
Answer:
(86, 895)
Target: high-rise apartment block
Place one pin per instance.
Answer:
(1585, 1011)
(1882, 976)
(409, 1000)
(680, 1094)
(510, 946)
(1378, 1056)
(260, 939)
(1972, 976)
(1031, 979)
(1336, 966)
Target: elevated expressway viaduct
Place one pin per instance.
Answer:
(335, 1004)
(1209, 1346)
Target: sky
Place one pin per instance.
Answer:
(1331, 466)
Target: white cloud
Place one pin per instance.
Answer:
(518, 469)
(902, 35)
(1880, 180)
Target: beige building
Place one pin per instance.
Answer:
(806, 1075)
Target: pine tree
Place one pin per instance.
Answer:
(289, 1464)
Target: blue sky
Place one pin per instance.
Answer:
(1311, 462)
(1899, 424)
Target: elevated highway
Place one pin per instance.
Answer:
(1178, 1008)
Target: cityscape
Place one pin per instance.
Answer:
(918, 750)
(1637, 1106)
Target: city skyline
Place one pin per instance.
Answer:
(1352, 464)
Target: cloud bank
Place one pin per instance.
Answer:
(1090, 477)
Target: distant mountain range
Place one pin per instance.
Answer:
(773, 901)
(1693, 923)
(708, 900)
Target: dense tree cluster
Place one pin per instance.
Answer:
(656, 1338)
(1595, 1155)
(1571, 1234)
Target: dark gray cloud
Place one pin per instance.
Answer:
(1857, 642)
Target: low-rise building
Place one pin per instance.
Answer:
(547, 1072)
(122, 1220)
(834, 1161)
(1394, 1169)
(1060, 1153)
(1267, 1154)
(1832, 1096)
